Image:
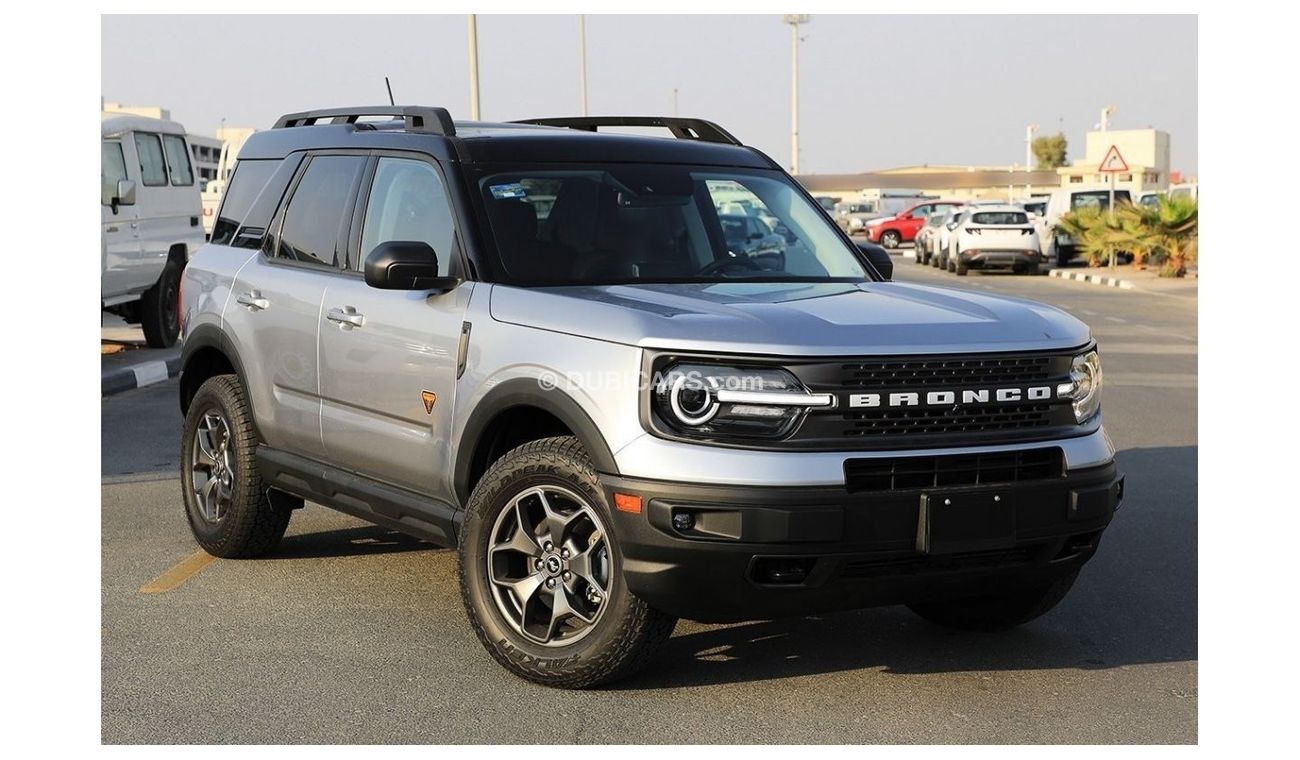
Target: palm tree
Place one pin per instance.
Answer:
(1176, 233)
(1138, 226)
(1099, 234)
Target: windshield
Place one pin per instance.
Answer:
(592, 225)
(1098, 199)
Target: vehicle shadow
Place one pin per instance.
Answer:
(348, 542)
(1134, 603)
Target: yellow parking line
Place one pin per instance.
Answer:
(179, 573)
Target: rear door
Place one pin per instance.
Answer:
(275, 309)
(119, 241)
(388, 358)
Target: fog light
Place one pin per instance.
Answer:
(683, 521)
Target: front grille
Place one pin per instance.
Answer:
(915, 564)
(924, 424)
(946, 372)
(941, 420)
(902, 473)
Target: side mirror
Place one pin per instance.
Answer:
(878, 258)
(406, 265)
(125, 193)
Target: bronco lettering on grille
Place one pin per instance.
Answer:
(950, 398)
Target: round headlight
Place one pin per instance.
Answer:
(1085, 376)
(692, 400)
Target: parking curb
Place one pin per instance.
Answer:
(132, 376)
(1094, 279)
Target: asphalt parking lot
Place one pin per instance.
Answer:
(350, 633)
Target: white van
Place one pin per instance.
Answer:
(1062, 248)
(150, 221)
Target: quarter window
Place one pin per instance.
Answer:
(153, 169)
(112, 167)
(317, 211)
(178, 160)
(408, 202)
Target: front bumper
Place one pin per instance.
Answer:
(762, 552)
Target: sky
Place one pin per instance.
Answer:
(875, 91)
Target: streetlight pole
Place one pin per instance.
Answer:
(794, 20)
(1029, 156)
(473, 67)
(582, 56)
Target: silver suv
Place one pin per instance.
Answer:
(535, 343)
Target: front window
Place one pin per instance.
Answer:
(1098, 199)
(584, 225)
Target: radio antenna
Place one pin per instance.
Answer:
(391, 102)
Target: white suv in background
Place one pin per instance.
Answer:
(149, 221)
(990, 237)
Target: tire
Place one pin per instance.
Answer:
(159, 312)
(1063, 256)
(623, 633)
(250, 519)
(960, 268)
(996, 612)
(891, 239)
(949, 264)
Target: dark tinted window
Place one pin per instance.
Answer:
(153, 169)
(1097, 199)
(178, 160)
(112, 167)
(241, 190)
(1000, 217)
(317, 210)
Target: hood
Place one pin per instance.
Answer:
(880, 220)
(792, 319)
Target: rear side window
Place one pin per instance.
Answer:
(241, 190)
(112, 167)
(178, 160)
(153, 168)
(1000, 217)
(318, 209)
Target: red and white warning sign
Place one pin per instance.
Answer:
(1113, 162)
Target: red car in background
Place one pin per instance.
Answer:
(893, 231)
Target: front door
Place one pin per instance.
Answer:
(388, 357)
(119, 239)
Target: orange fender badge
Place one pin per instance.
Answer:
(430, 398)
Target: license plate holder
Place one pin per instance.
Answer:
(966, 520)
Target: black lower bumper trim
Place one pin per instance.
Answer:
(749, 553)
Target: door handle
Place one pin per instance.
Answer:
(134, 225)
(347, 317)
(253, 300)
(113, 228)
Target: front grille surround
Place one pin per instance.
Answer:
(887, 427)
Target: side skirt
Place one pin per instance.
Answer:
(414, 514)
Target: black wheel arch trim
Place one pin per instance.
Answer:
(203, 337)
(527, 392)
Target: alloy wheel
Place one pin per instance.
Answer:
(212, 477)
(549, 566)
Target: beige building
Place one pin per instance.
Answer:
(1146, 151)
(958, 182)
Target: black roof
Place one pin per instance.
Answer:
(505, 142)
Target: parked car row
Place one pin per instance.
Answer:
(980, 235)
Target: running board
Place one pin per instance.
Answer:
(414, 514)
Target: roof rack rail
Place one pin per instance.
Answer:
(425, 119)
(683, 128)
